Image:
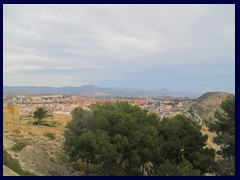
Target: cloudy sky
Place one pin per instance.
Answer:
(180, 47)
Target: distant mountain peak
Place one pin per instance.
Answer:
(91, 90)
(165, 90)
(89, 85)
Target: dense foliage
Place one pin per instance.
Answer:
(121, 139)
(224, 126)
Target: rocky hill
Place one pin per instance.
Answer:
(207, 104)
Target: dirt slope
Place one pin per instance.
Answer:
(41, 154)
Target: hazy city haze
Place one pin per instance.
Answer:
(180, 47)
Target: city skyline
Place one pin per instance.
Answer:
(180, 47)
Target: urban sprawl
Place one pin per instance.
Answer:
(60, 104)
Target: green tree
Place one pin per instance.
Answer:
(80, 142)
(224, 126)
(121, 139)
(40, 113)
(184, 168)
(182, 140)
(116, 136)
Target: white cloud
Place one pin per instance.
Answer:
(119, 38)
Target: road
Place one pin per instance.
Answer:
(193, 114)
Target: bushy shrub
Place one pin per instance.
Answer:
(54, 124)
(50, 135)
(61, 158)
(19, 145)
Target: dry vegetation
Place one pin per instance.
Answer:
(37, 149)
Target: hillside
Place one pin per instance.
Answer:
(38, 149)
(207, 104)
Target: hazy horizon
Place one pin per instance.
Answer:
(125, 88)
(148, 47)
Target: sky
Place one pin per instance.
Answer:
(149, 47)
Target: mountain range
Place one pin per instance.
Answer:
(92, 90)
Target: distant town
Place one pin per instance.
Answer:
(60, 104)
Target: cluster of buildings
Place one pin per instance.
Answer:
(169, 107)
(58, 104)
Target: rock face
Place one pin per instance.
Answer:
(11, 113)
